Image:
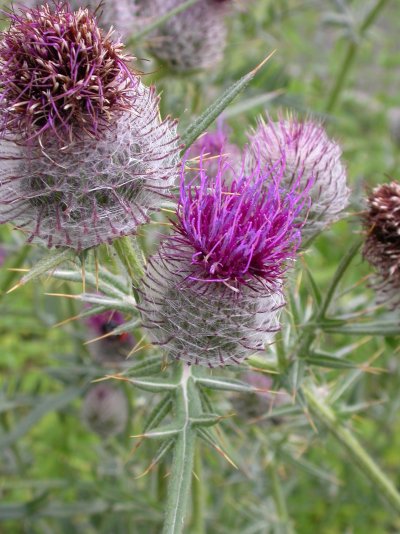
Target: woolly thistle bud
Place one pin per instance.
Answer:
(118, 14)
(212, 294)
(309, 154)
(193, 39)
(105, 410)
(113, 349)
(382, 245)
(116, 157)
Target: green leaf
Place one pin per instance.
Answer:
(206, 419)
(361, 329)
(51, 403)
(212, 112)
(90, 279)
(154, 385)
(45, 265)
(162, 432)
(159, 412)
(225, 384)
(330, 362)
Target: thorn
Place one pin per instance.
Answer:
(224, 455)
(137, 347)
(110, 334)
(14, 288)
(260, 65)
(61, 323)
(18, 270)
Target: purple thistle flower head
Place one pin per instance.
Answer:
(309, 155)
(210, 146)
(61, 77)
(194, 39)
(105, 410)
(382, 245)
(212, 294)
(242, 233)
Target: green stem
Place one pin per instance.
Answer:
(161, 21)
(342, 268)
(284, 525)
(356, 451)
(198, 496)
(182, 463)
(350, 56)
(129, 255)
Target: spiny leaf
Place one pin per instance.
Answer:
(159, 412)
(211, 113)
(45, 265)
(361, 329)
(226, 384)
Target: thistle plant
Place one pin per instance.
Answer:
(194, 39)
(227, 311)
(309, 153)
(382, 244)
(86, 155)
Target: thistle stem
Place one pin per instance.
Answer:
(182, 463)
(356, 451)
(129, 254)
(351, 54)
(198, 497)
(283, 526)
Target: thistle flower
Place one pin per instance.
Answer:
(382, 245)
(105, 410)
(193, 39)
(212, 294)
(113, 349)
(82, 164)
(118, 14)
(210, 146)
(309, 154)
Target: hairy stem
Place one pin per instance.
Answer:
(351, 54)
(182, 463)
(283, 525)
(356, 451)
(198, 497)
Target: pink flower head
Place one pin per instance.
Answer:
(213, 292)
(309, 155)
(60, 75)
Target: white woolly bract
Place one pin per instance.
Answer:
(119, 14)
(105, 410)
(309, 155)
(193, 39)
(205, 323)
(94, 190)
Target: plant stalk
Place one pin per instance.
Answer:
(351, 54)
(198, 496)
(284, 525)
(346, 438)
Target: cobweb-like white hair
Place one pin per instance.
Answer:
(96, 189)
(310, 156)
(205, 323)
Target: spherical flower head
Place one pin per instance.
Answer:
(194, 39)
(105, 410)
(309, 155)
(382, 245)
(61, 76)
(213, 293)
(110, 349)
